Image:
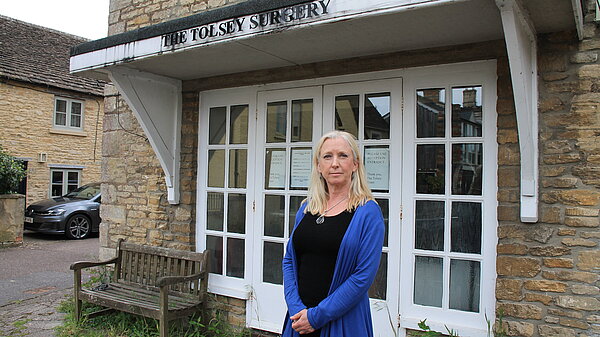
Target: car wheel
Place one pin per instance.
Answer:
(78, 226)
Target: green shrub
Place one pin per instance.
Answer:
(11, 173)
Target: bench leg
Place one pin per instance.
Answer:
(164, 310)
(76, 289)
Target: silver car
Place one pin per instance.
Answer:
(75, 214)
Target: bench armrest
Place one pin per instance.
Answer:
(169, 280)
(87, 264)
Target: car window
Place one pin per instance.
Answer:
(84, 192)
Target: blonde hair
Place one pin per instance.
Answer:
(318, 194)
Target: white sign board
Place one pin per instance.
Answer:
(301, 167)
(377, 165)
(277, 169)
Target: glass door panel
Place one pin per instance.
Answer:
(288, 125)
(369, 110)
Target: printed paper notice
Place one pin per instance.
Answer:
(377, 164)
(277, 169)
(300, 169)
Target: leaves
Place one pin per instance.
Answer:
(11, 173)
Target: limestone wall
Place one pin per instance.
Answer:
(26, 119)
(11, 219)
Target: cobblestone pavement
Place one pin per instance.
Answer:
(33, 317)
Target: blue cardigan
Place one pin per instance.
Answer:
(345, 312)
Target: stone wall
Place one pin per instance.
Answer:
(548, 272)
(127, 15)
(26, 119)
(11, 219)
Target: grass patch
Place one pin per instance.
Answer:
(120, 324)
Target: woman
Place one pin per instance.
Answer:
(333, 253)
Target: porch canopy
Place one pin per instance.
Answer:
(148, 65)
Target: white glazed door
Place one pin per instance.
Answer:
(289, 122)
(372, 111)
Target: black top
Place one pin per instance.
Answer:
(316, 249)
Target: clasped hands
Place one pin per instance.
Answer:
(300, 322)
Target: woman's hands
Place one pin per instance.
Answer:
(300, 322)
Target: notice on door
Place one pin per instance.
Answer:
(300, 168)
(377, 164)
(276, 171)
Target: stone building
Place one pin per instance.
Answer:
(49, 118)
(478, 120)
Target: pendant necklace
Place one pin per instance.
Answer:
(321, 217)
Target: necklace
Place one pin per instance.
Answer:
(321, 217)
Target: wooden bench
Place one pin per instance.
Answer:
(160, 283)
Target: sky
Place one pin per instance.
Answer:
(85, 18)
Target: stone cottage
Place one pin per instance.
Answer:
(49, 119)
(478, 121)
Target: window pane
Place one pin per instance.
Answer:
(57, 177)
(75, 108)
(466, 227)
(467, 168)
(384, 204)
(464, 285)
(56, 190)
(300, 168)
(272, 258)
(61, 105)
(302, 119)
(215, 245)
(216, 168)
(377, 167)
(379, 287)
(429, 225)
(73, 178)
(238, 132)
(275, 169)
(274, 215)
(428, 281)
(214, 211)
(346, 114)
(431, 120)
(61, 119)
(216, 125)
(295, 202)
(276, 121)
(235, 257)
(377, 116)
(237, 168)
(236, 213)
(76, 121)
(430, 169)
(466, 112)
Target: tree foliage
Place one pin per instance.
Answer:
(11, 173)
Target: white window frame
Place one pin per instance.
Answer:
(69, 103)
(65, 183)
(222, 284)
(456, 75)
(459, 74)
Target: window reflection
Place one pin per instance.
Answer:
(272, 258)
(236, 213)
(235, 257)
(237, 168)
(302, 120)
(214, 244)
(276, 122)
(214, 211)
(466, 111)
(467, 161)
(274, 215)
(216, 168)
(431, 113)
(217, 125)
(377, 116)
(379, 287)
(430, 169)
(346, 113)
(238, 132)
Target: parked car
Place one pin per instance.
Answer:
(75, 214)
